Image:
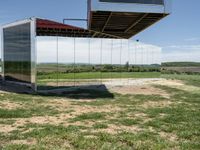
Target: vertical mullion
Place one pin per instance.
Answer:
(74, 60)
(101, 59)
(57, 59)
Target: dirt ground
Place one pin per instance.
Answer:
(143, 86)
(133, 86)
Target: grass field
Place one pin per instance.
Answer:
(98, 75)
(188, 79)
(91, 120)
(89, 77)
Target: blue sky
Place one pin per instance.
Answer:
(178, 34)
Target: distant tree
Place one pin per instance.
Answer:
(127, 66)
(108, 67)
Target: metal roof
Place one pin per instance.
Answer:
(125, 18)
(124, 25)
(46, 27)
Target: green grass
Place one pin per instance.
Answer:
(100, 126)
(28, 112)
(124, 121)
(188, 79)
(89, 116)
(87, 78)
(99, 75)
(7, 121)
(174, 126)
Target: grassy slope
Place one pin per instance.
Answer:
(170, 127)
(188, 79)
(181, 64)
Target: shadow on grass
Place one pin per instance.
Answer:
(74, 92)
(80, 92)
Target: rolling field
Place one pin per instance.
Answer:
(90, 77)
(98, 75)
(181, 67)
(157, 114)
(187, 79)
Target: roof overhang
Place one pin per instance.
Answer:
(125, 19)
(46, 27)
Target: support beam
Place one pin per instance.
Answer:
(136, 22)
(94, 34)
(108, 19)
(72, 19)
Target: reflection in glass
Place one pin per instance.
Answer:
(47, 63)
(66, 62)
(95, 61)
(17, 53)
(82, 67)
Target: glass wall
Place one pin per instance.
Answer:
(47, 62)
(17, 53)
(64, 62)
(0, 53)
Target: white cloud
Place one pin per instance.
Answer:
(194, 39)
(184, 47)
(181, 53)
(181, 56)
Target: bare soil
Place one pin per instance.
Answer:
(9, 105)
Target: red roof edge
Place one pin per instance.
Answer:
(44, 23)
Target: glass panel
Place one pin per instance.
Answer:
(95, 61)
(131, 53)
(66, 60)
(125, 64)
(47, 63)
(0, 54)
(116, 59)
(106, 68)
(17, 53)
(82, 68)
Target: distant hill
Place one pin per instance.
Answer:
(181, 64)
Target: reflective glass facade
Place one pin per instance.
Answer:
(17, 53)
(64, 62)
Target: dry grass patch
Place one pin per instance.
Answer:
(7, 128)
(80, 109)
(154, 104)
(114, 129)
(139, 90)
(62, 118)
(169, 82)
(40, 120)
(10, 105)
(177, 84)
(168, 136)
(76, 109)
(29, 141)
(58, 104)
(142, 116)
